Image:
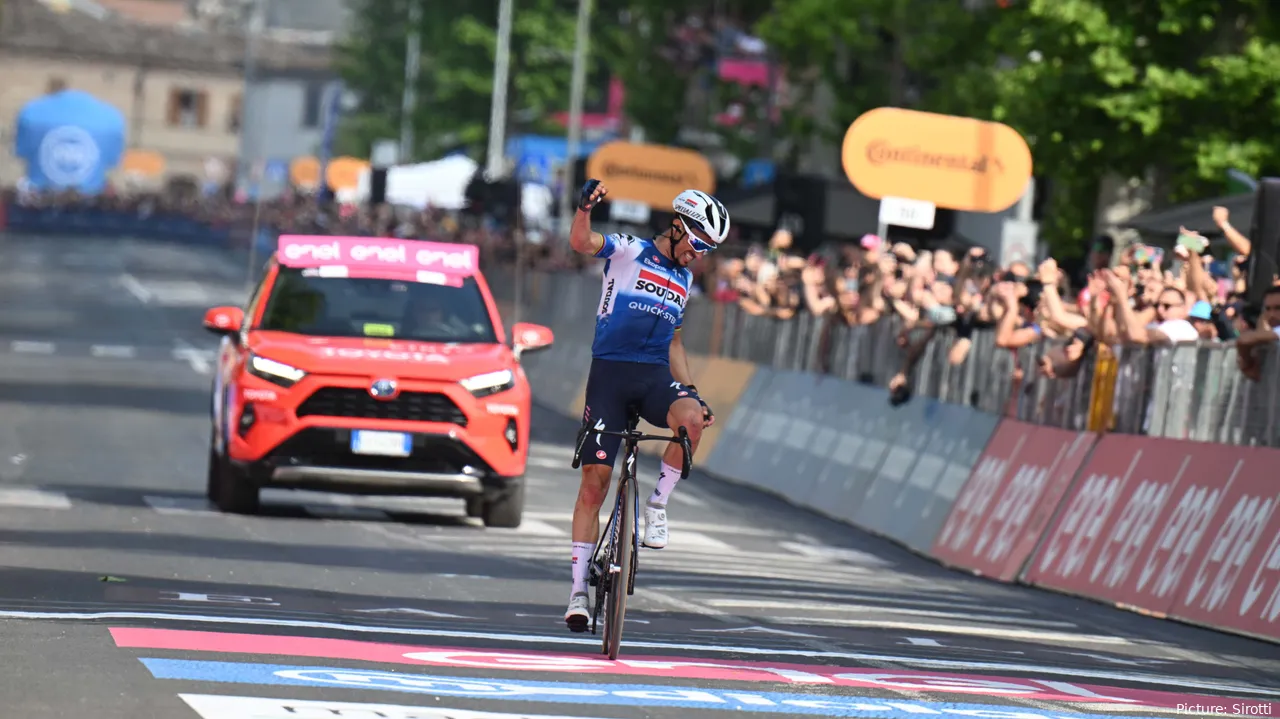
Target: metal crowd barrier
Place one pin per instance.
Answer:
(1189, 391)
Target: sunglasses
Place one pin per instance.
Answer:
(699, 245)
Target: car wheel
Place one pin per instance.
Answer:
(506, 507)
(230, 489)
(475, 507)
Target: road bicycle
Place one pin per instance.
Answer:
(618, 553)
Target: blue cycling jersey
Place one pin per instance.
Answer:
(642, 301)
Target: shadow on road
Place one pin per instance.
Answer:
(79, 394)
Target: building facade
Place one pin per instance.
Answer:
(180, 88)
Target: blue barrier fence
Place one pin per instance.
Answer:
(117, 223)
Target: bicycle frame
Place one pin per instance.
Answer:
(607, 547)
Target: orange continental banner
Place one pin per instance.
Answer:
(305, 172)
(147, 163)
(957, 163)
(343, 173)
(650, 174)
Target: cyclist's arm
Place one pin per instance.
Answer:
(679, 361)
(581, 238)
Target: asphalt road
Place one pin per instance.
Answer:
(123, 595)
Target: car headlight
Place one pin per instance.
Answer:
(483, 385)
(275, 372)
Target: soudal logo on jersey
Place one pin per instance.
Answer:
(663, 287)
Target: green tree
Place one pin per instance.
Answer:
(458, 46)
(1177, 91)
(872, 51)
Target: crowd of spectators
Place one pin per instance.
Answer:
(1185, 296)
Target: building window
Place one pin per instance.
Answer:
(311, 106)
(57, 84)
(188, 108)
(235, 114)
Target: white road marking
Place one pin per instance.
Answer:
(136, 288)
(34, 348)
(685, 538)
(557, 450)
(533, 527)
(840, 554)
(1160, 680)
(677, 525)
(180, 293)
(35, 498)
(201, 361)
(1027, 634)
(923, 642)
(547, 462)
(116, 351)
(956, 603)
(218, 706)
(179, 505)
(688, 499)
(802, 606)
(413, 611)
(758, 630)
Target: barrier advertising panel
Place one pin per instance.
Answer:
(1010, 497)
(962, 434)
(1172, 527)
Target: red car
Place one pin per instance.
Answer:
(371, 366)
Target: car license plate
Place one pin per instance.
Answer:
(389, 444)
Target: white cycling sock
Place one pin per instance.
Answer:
(667, 479)
(582, 552)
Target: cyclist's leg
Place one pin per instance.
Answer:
(605, 409)
(668, 404)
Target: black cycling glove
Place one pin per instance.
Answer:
(585, 203)
(707, 414)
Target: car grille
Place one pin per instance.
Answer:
(358, 403)
(331, 447)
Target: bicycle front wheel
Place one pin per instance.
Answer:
(620, 581)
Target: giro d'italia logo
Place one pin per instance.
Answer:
(68, 155)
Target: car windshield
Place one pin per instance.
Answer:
(304, 303)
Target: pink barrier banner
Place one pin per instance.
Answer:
(1174, 528)
(745, 72)
(827, 677)
(1003, 509)
(380, 257)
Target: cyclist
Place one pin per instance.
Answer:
(638, 358)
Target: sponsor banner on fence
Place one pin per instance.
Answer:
(1172, 527)
(839, 448)
(1010, 497)
(854, 458)
(958, 436)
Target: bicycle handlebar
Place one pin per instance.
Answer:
(681, 438)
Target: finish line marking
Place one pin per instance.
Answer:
(716, 649)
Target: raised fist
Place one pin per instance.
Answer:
(592, 193)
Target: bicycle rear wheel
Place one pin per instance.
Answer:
(620, 581)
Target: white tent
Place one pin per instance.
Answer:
(441, 183)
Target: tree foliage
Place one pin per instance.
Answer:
(458, 44)
(1177, 91)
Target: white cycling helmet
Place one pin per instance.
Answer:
(703, 212)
